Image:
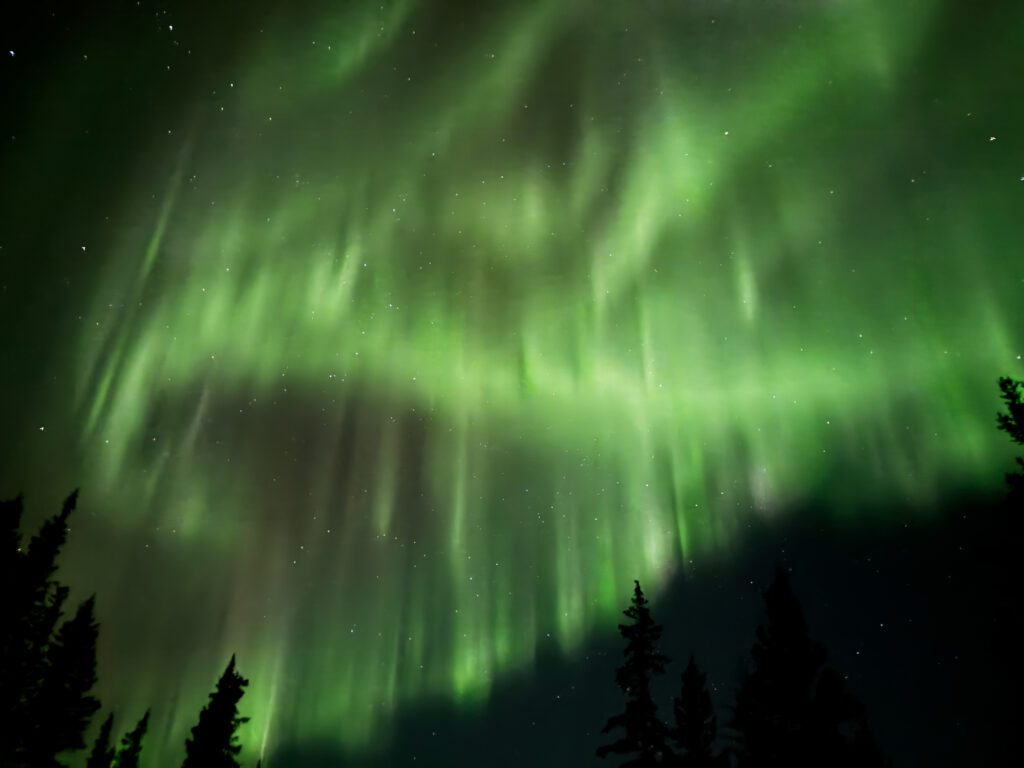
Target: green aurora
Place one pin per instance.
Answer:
(424, 333)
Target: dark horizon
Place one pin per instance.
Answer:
(936, 685)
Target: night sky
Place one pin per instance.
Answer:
(390, 341)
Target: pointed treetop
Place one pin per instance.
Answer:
(66, 696)
(643, 734)
(49, 667)
(639, 598)
(214, 742)
(102, 754)
(69, 504)
(45, 546)
(131, 745)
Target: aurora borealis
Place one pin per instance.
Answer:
(416, 330)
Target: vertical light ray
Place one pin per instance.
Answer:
(487, 322)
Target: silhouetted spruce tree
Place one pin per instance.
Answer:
(214, 743)
(102, 755)
(32, 605)
(131, 744)
(1012, 423)
(696, 725)
(47, 669)
(63, 706)
(790, 709)
(643, 739)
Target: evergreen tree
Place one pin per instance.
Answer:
(214, 742)
(696, 725)
(32, 605)
(790, 709)
(63, 706)
(47, 669)
(102, 754)
(643, 739)
(131, 744)
(1012, 423)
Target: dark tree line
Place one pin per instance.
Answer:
(791, 708)
(48, 667)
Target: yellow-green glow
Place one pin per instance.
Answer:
(428, 341)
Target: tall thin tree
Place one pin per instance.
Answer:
(643, 737)
(214, 741)
(32, 602)
(130, 751)
(102, 754)
(64, 706)
(47, 668)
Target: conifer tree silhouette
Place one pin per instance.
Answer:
(131, 744)
(790, 709)
(696, 725)
(102, 754)
(47, 668)
(64, 705)
(214, 742)
(1012, 423)
(643, 740)
(32, 601)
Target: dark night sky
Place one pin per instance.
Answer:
(390, 341)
